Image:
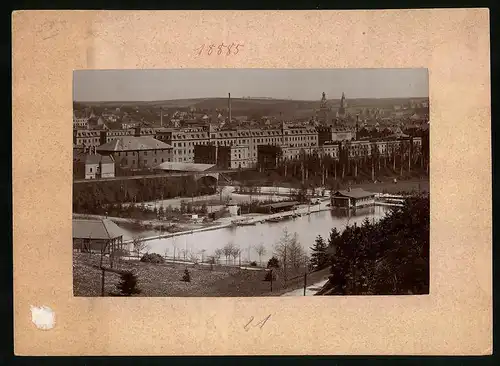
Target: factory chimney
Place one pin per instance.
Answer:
(357, 127)
(229, 105)
(161, 116)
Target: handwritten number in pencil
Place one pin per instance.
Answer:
(200, 49)
(209, 49)
(247, 324)
(219, 49)
(262, 322)
(259, 324)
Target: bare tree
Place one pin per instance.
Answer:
(261, 250)
(217, 254)
(193, 257)
(139, 245)
(228, 250)
(235, 254)
(290, 253)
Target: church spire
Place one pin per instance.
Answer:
(323, 101)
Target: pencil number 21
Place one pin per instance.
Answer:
(260, 324)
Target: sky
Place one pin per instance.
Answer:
(298, 84)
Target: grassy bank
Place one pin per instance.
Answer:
(165, 279)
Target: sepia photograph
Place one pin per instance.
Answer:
(250, 182)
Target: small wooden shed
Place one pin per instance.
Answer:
(97, 235)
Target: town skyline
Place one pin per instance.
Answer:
(92, 86)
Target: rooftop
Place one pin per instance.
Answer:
(354, 193)
(184, 167)
(96, 229)
(88, 158)
(131, 143)
(281, 204)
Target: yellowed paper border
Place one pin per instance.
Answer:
(456, 318)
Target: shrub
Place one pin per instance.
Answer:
(253, 264)
(152, 258)
(273, 263)
(128, 284)
(186, 277)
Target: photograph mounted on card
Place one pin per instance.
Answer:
(189, 183)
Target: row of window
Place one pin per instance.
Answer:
(300, 138)
(144, 153)
(182, 152)
(302, 145)
(125, 161)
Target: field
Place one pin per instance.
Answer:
(165, 279)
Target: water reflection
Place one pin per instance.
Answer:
(247, 237)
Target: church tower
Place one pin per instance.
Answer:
(323, 110)
(341, 113)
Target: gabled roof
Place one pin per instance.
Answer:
(184, 167)
(96, 229)
(93, 159)
(82, 157)
(129, 143)
(354, 193)
(281, 204)
(106, 159)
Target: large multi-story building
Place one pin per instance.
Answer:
(268, 156)
(137, 152)
(226, 157)
(233, 157)
(293, 140)
(183, 142)
(205, 154)
(335, 133)
(80, 123)
(86, 138)
(201, 144)
(330, 149)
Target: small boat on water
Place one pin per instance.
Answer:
(274, 219)
(246, 223)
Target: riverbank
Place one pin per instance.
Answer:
(166, 229)
(165, 279)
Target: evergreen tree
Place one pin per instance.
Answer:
(332, 240)
(390, 256)
(319, 256)
(187, 276)
(273, 263)
(128, 284)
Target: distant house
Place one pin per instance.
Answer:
(90, 165)
(98, 235)
(80, 123)
(352, 198)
